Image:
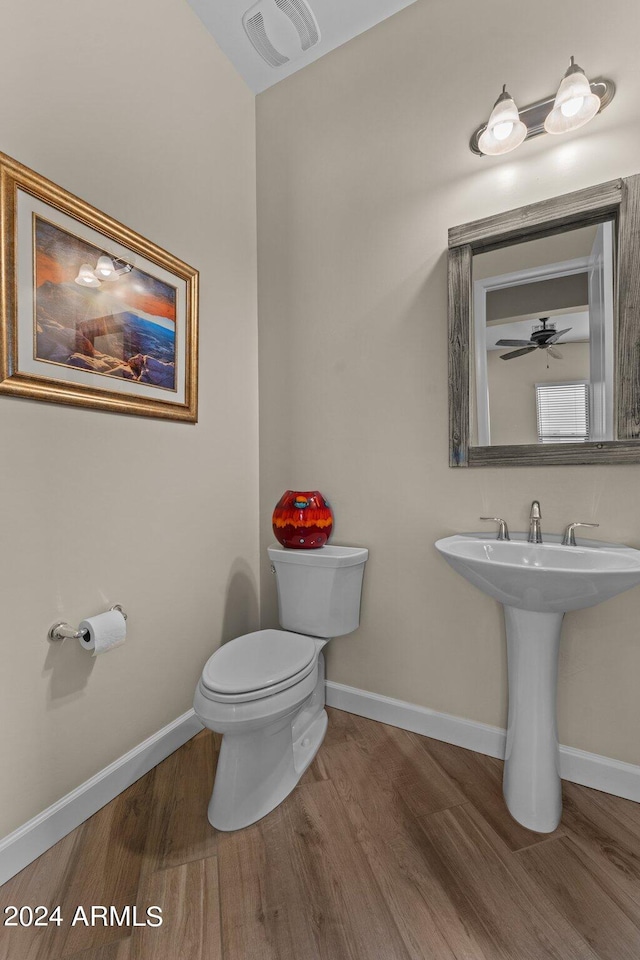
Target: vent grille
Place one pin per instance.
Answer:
(302, 19)
(258, 35)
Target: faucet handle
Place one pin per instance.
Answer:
(569, 539)
(503, 530)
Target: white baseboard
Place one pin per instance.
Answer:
(578, 766)
(32, 839)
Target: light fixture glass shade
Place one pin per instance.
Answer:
(505, 130)
(105, 268)
(575, 104)
(86, 277)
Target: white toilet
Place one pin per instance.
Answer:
(264, 691)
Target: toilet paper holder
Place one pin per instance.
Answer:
(61, 630)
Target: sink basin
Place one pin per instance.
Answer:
(544, 577)
(537, 583)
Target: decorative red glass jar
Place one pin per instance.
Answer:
(302, 521)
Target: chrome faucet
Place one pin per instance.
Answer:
(535, 533)
(569, 539)
(503, 530)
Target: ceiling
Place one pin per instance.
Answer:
(289, 33)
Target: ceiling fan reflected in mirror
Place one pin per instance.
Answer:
(543, 337)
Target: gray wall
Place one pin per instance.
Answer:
(362, 166)
(132, 107)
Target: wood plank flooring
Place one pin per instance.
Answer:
(393, 847)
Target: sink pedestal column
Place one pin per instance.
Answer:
(531, 784)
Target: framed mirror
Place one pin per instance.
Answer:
(544, 332)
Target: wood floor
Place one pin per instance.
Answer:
(393, 847)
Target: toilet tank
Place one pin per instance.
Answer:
(319, 590)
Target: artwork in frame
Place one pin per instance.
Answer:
(92, 314)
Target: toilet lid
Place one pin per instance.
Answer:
(258, 660)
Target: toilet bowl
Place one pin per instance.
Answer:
(270, 734)
(265, 691)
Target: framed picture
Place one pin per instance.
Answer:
(92, 314)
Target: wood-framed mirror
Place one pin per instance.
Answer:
(544, 332)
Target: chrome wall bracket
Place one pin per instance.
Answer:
(534, 115)
(62, 631)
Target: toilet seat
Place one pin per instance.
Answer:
(258, 665)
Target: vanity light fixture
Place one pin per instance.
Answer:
(577, 101)
(106, 269)
(505, 130)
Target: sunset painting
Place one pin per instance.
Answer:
(98, 313)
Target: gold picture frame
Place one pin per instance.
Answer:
(120, 336)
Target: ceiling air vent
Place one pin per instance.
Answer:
(256, 32)
(302, 19)
(281, 30)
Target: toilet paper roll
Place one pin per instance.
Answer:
(103, 632)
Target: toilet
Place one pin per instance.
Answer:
(264, 691)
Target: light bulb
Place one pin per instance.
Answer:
(502, 130)
(571, 107)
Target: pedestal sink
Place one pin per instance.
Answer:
(538, 583)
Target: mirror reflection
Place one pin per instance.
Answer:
(542, 369)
